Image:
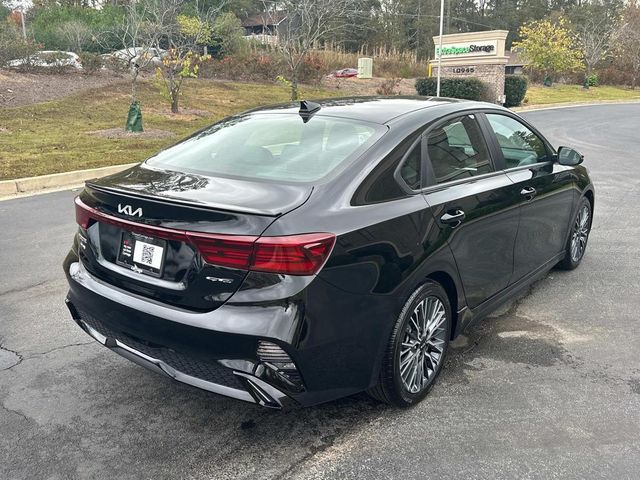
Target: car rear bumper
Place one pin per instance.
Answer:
(215, 351)
(208, 350)
(211, 377)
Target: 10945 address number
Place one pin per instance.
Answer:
(463, 69)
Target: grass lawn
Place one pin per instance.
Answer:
(539, 95)
(53, 136)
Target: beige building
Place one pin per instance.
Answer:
(474, 54)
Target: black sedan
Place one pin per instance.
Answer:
(295, 254)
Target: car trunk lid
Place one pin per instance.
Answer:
(154, 232)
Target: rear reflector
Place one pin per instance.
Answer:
(302, 254)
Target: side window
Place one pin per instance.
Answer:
(410, 169)
(519, 145)
(458, 150)
(382, 185)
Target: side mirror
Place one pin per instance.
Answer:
(568, 156)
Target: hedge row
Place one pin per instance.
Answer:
(470, 88)
(467, 88)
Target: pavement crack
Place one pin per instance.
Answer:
(22, 289)
(19, 358)
(62, 347)
(16, 360)
(15, 412)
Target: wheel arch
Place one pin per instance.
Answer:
(590, 195)
(449, 284)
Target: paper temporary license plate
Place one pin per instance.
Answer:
(142, 254)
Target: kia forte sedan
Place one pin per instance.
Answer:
(296, 254)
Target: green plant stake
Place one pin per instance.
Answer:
(134, 118)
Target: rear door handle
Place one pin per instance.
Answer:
(528, 192)
(454, 219)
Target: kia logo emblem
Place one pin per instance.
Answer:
(128, 210)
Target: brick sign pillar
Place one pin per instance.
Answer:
(474, 54)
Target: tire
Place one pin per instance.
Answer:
(579, 236)
(414, 355)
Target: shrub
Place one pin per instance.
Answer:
(115, 64)
(313, 68)
(467, 88)
(592, 80)
(388, 87)
(515, 89)
(91, 62)
(64, 27)
(12, 46)
(228, 35)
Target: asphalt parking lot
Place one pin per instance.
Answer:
(549, 387)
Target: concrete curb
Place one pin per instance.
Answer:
(10, 188)
(557, 106)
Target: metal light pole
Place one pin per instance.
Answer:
(440, 47)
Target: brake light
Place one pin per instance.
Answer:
(294, 255)
(83, 215)
(303, 254)
(224, 250)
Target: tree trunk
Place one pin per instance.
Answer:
(134, 85)
(294, 90)
(587, 74)
(175, 108)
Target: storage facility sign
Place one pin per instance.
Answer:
(468, 49)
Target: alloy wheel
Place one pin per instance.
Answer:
(423, 344)
(580, 233)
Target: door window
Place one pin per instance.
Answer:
(457, 150)
(519, 145)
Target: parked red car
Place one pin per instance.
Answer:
(346, 73)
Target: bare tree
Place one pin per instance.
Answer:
(596, 28)
(76, 33)
(141, 30)
(628, 43)
(302, 25)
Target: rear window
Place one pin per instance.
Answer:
(279, 147)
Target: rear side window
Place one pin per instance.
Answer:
(410, 169)
(278, 147)
(519, 145)
(458, 150)
(381, 185)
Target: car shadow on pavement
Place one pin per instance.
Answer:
(108, 413)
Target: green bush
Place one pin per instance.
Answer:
(467, 88)
(91, 62)
(60, 27)
(515, 89)
(592, 80)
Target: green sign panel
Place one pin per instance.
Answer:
(466, 49)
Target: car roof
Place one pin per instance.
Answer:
(371, 109)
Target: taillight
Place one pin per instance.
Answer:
(83, 215)
(224, 250)
(294, 255)
(303, 254)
